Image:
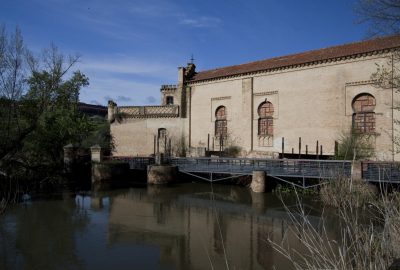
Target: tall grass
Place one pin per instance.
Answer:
(3, 205)
(343, 192)
(369, 238)
(9, 191)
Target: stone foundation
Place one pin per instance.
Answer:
(258, 181)
(161, 174)
(107, 171)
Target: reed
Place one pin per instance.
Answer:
(363, 243)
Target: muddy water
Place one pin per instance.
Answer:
(187, 226)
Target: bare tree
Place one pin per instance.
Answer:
(383, 16)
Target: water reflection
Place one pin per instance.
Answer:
(40, 235)
(189, 226)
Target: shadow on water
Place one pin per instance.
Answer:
(182, 226)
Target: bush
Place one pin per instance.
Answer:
(344, 191)
(232, 151)
(355, 146)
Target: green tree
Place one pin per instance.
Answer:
(39, 98)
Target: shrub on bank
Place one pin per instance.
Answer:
(346, 191)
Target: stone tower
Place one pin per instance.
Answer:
(178, 94)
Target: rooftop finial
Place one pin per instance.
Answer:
(191, 59)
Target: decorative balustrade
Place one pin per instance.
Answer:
(149, 111)
(168, 87)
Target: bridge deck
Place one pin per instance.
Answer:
(372, 171)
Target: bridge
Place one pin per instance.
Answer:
(298, 172)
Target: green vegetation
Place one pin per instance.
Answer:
(355, 146)
(39, 112)
(232, 151)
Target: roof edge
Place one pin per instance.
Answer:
(319, 56)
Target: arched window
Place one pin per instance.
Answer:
(170, 100)
(221, 128)
(364, 115)
(162, 133)
(265, 120)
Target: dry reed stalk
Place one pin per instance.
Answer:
(372, 244)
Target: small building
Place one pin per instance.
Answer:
(285, 105)
(92, 110)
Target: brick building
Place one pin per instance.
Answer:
(301, 102)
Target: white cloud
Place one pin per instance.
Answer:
(201, 22)
(126, 80)
(126, 65)
(124, 92)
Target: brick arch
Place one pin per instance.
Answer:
(265, 109)
(363, 102)
(220, 113)
(364, 113)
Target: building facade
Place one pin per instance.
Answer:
(302, 103)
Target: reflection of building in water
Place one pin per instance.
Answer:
(189, 229)
(42, 235)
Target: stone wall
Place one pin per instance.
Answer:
(314, 103)
(135, 137)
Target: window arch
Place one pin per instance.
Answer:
(221, 126)
(364, 115)
(170, 100)
(162, 133)
(265, 119)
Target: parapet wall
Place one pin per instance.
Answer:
(149, 111)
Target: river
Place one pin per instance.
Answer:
(183, 226)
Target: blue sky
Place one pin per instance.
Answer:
(129, 48)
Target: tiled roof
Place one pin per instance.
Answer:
(335, 52)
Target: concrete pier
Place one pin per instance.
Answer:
(103, 172)
(258, 181)
(161, 174)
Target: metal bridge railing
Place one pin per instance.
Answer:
(135, 163)
(273, 167)
(378, 171)
(372, 171)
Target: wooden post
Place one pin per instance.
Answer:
(292, 151)
(316, 150)
(283, 147)
(320, 152)
(213, 144)
(165, 145)
(299, 147)
(208, 142)
(336, 148)
(155, 145)
(306, 149)
(220, 145)
(158, 144)
(169, 147)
